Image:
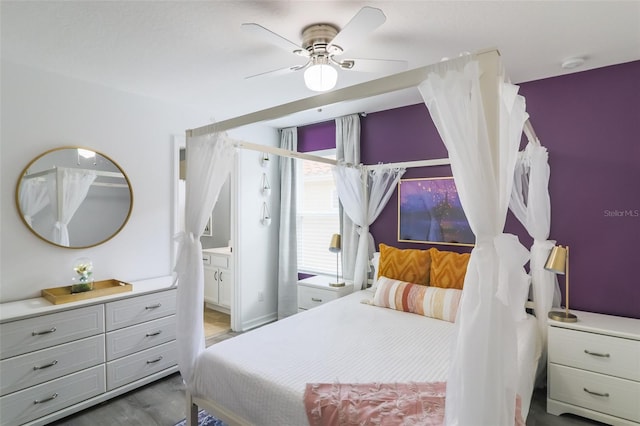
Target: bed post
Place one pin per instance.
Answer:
(489, 87)
(191, 411)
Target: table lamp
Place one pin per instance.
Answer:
(558, 262)
(334, 247)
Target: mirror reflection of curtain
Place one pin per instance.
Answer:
(531, 204)
(363, 209)
(67, 189)
(348, 150)
(482, 379)
(34, 196)
(288, 251)
(210, 159)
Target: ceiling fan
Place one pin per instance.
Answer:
(323, 45)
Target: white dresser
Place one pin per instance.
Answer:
(594, 368)
(218, 278)
(315, 291)
(56, 360)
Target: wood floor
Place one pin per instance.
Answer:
(162, 403)
(215, 323)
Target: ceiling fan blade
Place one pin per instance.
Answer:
(374, 65)
(269, 36)
(281, 71)
(365, 21)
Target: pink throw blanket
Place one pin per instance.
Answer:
(416, 404)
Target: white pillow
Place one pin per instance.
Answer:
(375, 261)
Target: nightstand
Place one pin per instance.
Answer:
(314, 291)
(593, 368)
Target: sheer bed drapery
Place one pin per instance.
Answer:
(67, 190)
(364, 206)
(481, 385)
(531, 204)
(210, 159)
(33, 197)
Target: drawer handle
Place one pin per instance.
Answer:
(315, 299)
(40, 333)
(606, 395)
(154, 334)
(157, 305)
(41, 367)
(40, 401)
(153, 361)
(596, 354)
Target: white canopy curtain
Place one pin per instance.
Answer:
(531, 204)
(348, 150)
(209, 161)
(33, 197)
(481, 385)
(288, 248)
(67, 189)
(363, 206)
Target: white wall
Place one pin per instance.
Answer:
(256, 245)
(41, 111)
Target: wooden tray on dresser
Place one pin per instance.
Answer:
(58, 295)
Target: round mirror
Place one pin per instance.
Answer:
(74, 197)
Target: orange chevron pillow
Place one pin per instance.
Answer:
(409, 265)
(448, 268)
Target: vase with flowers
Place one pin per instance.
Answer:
(83, 280)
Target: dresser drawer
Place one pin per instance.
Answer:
(141, 364)
(34, 368)
(309, 297)
(139, 337)
(29, 404)
(595, 352)
(619, 397)
(136, 310)
(32, 334)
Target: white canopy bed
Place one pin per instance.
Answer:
(490, 354)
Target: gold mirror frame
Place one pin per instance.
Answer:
(116, 173)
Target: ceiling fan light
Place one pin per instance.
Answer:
(320, 77)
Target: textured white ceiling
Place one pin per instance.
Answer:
(194, 53)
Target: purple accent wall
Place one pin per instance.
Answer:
(316, 137)
(590, 123)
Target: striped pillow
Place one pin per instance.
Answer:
(434, 302)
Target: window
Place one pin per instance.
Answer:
(318, 215)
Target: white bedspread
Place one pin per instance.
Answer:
(261, 375)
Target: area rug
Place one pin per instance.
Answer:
(204, 419)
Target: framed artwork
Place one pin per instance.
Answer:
(208, 232)
(429, 211)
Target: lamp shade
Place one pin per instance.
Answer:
(557, 261)
(320, 77)
(336, 243)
